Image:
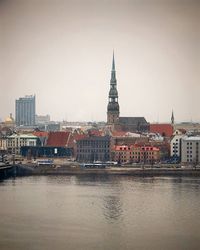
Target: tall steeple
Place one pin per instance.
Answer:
(113, 72)
(113, 105)
(172, 118)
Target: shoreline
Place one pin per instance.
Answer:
(125, 171)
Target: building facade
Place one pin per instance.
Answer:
(42, 119)
(93, 148)
(3, 144)
(175, 146)
(16, 141)
(191, 150)
(135, 154)
(25, 111)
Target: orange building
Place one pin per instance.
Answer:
(135, 153)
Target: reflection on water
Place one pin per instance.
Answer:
(112, 208)
(99, 212)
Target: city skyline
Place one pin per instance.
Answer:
(62, 52)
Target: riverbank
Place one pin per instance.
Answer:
(76, 170)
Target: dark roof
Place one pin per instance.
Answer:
(132, 120)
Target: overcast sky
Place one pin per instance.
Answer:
(61, 51)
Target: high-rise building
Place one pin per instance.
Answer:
(25, 111)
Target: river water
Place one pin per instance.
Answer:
(99, 212)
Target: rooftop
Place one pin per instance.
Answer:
(192, 138)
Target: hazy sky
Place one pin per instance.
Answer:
(61, 51)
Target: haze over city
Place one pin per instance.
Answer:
(61, 51)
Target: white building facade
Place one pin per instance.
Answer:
(16, 141)
(175, 145)
(190, 150)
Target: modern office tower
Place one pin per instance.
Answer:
(25, 111)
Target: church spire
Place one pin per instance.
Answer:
(113, 62)
(113, 80)
(172, 118)
(113, 105)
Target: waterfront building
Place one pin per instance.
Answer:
(25, 111)
(93, 148)
(115, 122)
(52, 144)
(175, 146)
(190, 152)
(45, 151)
(16, 141)
(135, 154)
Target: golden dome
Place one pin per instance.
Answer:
(9, 119)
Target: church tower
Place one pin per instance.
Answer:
(113, 105)
(172, 118)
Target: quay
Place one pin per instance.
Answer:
(34, 170)
(6, 171)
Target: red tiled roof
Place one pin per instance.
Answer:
(162, 129)
(40, 133)
(58, 139)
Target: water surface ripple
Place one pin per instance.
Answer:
(99, 212)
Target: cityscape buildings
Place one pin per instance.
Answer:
(125, 140)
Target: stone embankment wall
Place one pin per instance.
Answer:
(22, 170)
